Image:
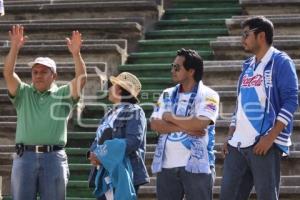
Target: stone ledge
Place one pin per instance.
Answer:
(23, 2)
(268, 2)
(231, 47)
(12, 2)
(268, 7)
(103, 31)
(284, 25)
(122, 43)
(63, 48)
(104, 5)
(284, 191)
(139, 20)
(150, 10)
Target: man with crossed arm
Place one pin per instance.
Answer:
(185, 118)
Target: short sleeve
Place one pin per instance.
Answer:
(64, 92)
(17, 100)
(208, 106)
(159, 108)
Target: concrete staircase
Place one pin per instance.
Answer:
(197, 24)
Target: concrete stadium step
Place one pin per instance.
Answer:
(285, 181)
(186, 33)
(283, 7)
(6, 108)
(231, 48)
(227, 107)
(7, 118)
(80, 166)
(23, 2)
(198, 13)
(139, 20)
(7, 133)
(122, 43)
(80, 171)
(165, 82)
(189, 24)
(288, 24)
(286, 193)
(7, 150)
(222, 125)
(6, 157)
(203, 3)
(92, 51)
(285, 190)
(91, 124)
(160, 57)
(215, 73)
(148, 9)
(90, 29)
(173, 44)
(148, 100)
(97, 111)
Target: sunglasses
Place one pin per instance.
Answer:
(245, 34)
(176, 67)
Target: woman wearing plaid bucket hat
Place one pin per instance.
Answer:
(127, 121)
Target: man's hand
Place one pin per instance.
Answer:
(167, 116)
(266, 142)
(225, 148)
(74, 44)
(93, 159)
(200, 133)
(263, 145)
(17, 38)
(225, 144)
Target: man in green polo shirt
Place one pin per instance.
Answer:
(43, 109)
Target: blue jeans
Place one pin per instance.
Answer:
(43, 173)
(174, 183)
(243, 170)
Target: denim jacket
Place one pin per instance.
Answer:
(131, 124)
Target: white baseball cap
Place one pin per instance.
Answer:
(48, 62)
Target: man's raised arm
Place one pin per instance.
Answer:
(74, 45)
(17, 40)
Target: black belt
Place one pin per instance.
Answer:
(39, 148)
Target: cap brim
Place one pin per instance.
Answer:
(30, 64)
(115, 80)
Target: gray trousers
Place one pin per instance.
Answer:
(243, 170)
(175, 183)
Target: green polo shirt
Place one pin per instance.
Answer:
(42, 117)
